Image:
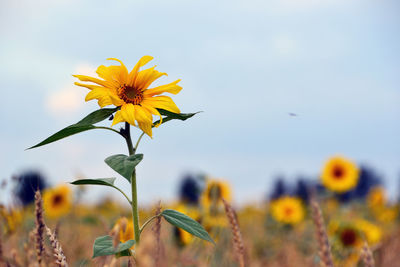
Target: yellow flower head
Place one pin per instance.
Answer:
(373, 234)
(131, 92)
(288, 210)
(124, 229)
(340, 175)
(57, 201)
(376, 197)
(348, 236)
(12, 217)
(214, 193)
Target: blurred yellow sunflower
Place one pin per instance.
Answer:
(287, 209)
(214, 220)
(373, 234)
(129, 90)
(123, 228)
(349, 236)
(214, 192)
(376, 197)
(340, 175)
(12, 217)
(57, 201)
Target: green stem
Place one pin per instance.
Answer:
(138, 141)
(135, 213)
(108, 128)
(148, 221)
(122, 192)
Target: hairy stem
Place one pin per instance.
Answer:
(135, 212)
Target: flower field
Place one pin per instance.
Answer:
(180, 133)
(357, 225)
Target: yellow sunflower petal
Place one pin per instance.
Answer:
(172, 88)
(132, 75)
(147, 77)
(89, 86)
(97, 93)
(162, 102)
(153, 111)
(128, 113)
(143, 115)
(117, 118)
(116, 101)
(105, 101)
(110, 74)
(146, 127)
(124, 71)
(84, 78)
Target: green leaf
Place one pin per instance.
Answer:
(103, 246)
(124, 165)
(174, 116)
(186, 223)
(101, 181)
(97, 116)
(83, 125)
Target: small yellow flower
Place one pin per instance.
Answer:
(372, 233)
(215, 191)
(13, 217)
(129, 90)
(288, 210)
(123, 228)
(376, 197)
(340, 175)
(57, 201)
(386, 214)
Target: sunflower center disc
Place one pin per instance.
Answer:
(130, 95)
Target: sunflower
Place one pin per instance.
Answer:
(123, 229)
(346, 235)
(214, 193)
(340, 175)
(130, 92)
(57, 201)
(288, 210)
(373, 234)
(12, 217)
(376, 197)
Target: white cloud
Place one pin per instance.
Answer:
(70, 98)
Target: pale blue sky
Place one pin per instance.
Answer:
(246, 64)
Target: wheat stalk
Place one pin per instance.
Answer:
(61, 261)
(157, 233)
(322, 237)
(367, 257)
(237, 236)
(40, 227)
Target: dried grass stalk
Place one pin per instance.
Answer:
(40, 227)
(1, 246)
(157, 233)
(367, 257)
(324, 248)
(237, 236)
(61, 260)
